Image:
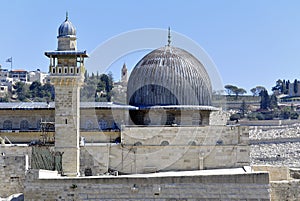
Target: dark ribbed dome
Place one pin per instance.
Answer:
(169, 76)
(66, 29)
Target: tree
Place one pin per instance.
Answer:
(97, 87)
(230, 89)
(283, 87)
(235, 117)
(295, 87)
(35, 89)
(273, 102)
(256, 90)
(244, 108)
(21, 91)
(287, 86)
(253, 91)
(265, 100)
(239, 91)
(278, 87)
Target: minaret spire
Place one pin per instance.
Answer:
(169, 36)
(67, 16)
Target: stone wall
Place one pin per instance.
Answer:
(284, 182)
(90, 136)
(152, 149)
(12, 169)
(171, 186)
(277, 173)
(90, 119)
(285, 190)
(95, 158)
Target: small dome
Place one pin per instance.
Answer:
(169, 76)
(66, 29)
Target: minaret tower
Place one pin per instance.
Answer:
(67, 75)
(124, 77)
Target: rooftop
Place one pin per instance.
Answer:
(51, 105)
(66, 52)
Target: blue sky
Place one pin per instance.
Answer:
(251, 42)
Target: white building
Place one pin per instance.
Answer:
(38, 75)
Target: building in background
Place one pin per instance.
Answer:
(38, 76)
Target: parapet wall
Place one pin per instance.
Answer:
(172, 186)
(12, 169)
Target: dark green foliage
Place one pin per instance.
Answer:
(231, 89)
(244, 109)
(252, 116)
(260, 116)
(285, 113)
(256, 90)
(97, 88)
(273, 102)
(294, 115)
(265, 100)
(21, 91)
(295, 86)
(39, 92)
(235, 117)
(4, 99)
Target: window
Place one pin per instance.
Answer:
(170, 118)
(102, 125)
(38, 124)
(59, 70)
(66, 70)
(24, 125)
(196, 119)
(72, 70)
(7, 125)
(164, 143)
(53, 70)
(89, 125)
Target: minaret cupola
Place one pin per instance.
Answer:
(66, 36)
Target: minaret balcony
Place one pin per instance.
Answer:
(66, 70)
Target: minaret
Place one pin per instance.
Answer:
(124, 77)
(67, 75)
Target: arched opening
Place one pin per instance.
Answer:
(24, 125)
(7, 125)
(89, 125)
(164, 143)
(196, 119)
(102, 125)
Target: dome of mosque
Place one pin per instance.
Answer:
(169, 76)
(66, 29)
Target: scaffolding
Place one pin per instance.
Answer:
(46, 128)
